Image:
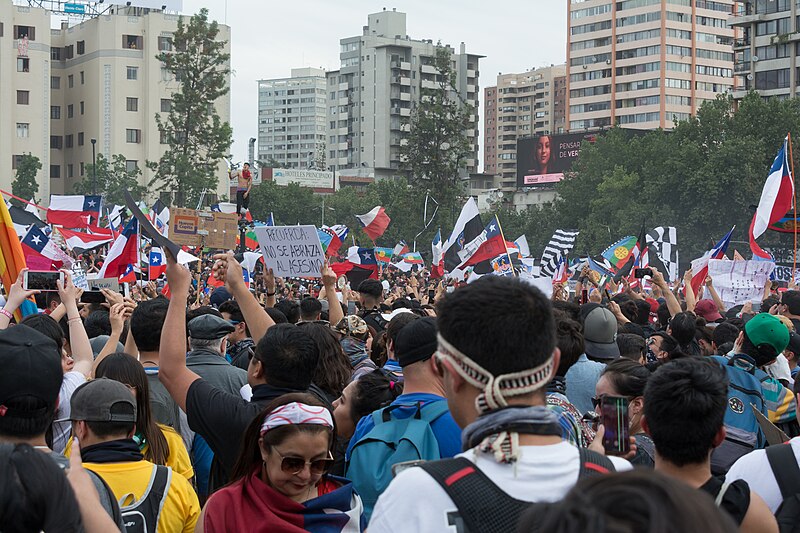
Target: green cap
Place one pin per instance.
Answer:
(765, 328)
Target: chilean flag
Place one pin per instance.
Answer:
(776, 199)
(700, 266)
(375, 222)
(129, 276)
(37, 244)
(437, 261)
(361, 264)
(123, 253)
(488, 245)
(157, 264)
(74, 211)
(84, 241)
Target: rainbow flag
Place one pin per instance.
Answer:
(12, 260)
(384, 255)
(618, 253)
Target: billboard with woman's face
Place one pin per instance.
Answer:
(544, 159)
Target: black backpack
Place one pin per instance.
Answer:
(483, 507)
(783, 463)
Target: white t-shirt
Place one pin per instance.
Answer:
(62, 427)
(754, 468)
(415, 502)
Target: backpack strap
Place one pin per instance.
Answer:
(593, 464)
(482, 505)
(783, 463)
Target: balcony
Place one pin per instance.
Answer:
(471, 73)
(741, 67)
(405, 112)
(344, 86)
(402, 65)
(471, 88)
(405, 97)
(428, 69)
(744, 18)
(741, 43)
(344, 101)
(428, 84)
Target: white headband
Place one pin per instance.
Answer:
(297, 413)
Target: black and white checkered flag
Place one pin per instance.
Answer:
(562, 241)
(665, 242)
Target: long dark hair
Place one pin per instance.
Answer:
(628, 377)
(373, 391)
(250, 451)
(124, 368)
(334, 369)
(34, 494)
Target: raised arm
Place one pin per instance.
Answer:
(172, 372)
(78, 339)
(715, 296)
(270, 286)
(691, 299)
(335, 313)
(672, 302)
(16, 295)
(227, 269)
(117, 318)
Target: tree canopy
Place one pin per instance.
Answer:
(113, 179)
(25, 184)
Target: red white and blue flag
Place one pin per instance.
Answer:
(700, 266)
(123, 253)
(375, 222)
(361, 264)
(776, 200)
(74, 211)
(157, 265)
(437, 256)
(485, 247)
(37, 244)
(129, 276)
(77, 240)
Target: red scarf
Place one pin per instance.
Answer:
(252, 505)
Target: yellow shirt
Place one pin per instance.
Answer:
(177, 459)
(181, 509)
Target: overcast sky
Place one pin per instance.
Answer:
(271, 37)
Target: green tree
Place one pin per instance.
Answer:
(113, 179)
(197, 138)
(25, 184)
(437, 142)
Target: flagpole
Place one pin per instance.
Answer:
(510, 263)
(794, 205)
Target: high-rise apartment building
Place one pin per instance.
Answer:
(371, 96)
(98, 79)
(766, 54)
(642, 63)
(292, 116)
(520, 105)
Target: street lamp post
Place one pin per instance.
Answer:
(94, 167)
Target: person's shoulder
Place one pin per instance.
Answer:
(620, 464)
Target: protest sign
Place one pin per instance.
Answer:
(738, 282)
(291, 251)
(204, 228)
(544, 284)
(111, 284)
(79, 277)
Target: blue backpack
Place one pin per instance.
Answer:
(392, 441)
(744, 434)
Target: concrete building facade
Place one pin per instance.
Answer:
(98, 79)
(520, 105)
(292, 117)
(643, 63)
(766, 54)
(371, 96)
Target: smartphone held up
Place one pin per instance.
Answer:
(46, 281)
(614, 417)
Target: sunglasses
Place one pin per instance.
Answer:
(295, 465)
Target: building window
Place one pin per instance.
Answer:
(133, 73)
(165, 44)
(80, 138)
(23, 64)
(70, 169)
(133, 136)
(20, 32)
(81, 168)
(131, 165)
(132, 104)
(55, 171)
(81, 51)
(55, 53)
(166, 105)
(22, 130)
(56, 142)
(70, 111)
(69, 52)
(15, 161)
(70, 81)
(82, 108)
(55, 82)
(23, 97)
(132, 42)
(83, 77)
(55, 112)
(68, 141)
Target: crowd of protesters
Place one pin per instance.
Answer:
(404, 403)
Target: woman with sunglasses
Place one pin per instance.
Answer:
(625, 377)
(279, 482)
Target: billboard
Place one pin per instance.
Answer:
(543, 159)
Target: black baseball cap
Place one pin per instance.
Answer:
(103, 400)
(30, 366)
(416, 341)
